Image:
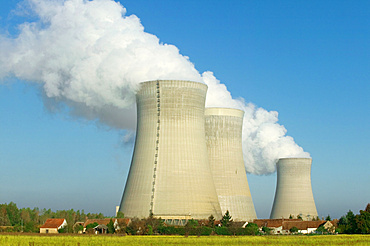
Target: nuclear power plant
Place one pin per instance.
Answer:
(170, 175)
(188, 161)
(224, 144)
(293, 195)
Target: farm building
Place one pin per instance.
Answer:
(306, 227)
(283, 226)
(53, 225)
(102, 224)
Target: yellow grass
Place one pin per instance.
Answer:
(84, 240)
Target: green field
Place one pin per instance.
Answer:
(82, 240)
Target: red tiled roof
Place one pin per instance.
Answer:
(272, 223)
(52, 223)
(302, 225)
(106, 221)
(99, 221)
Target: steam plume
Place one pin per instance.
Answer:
(91, 56)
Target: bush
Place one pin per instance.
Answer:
(136, 227)
(266, 230)
(90, 227)
(321, 230)
(252, 229)
(62, 230)
(206, 231)
(78, 228)
(293, 229)
(171, 230)
(222, 230)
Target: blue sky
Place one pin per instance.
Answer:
(308, 60)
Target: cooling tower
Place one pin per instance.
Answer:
(224, 144)
(293, 190)
(170, 175)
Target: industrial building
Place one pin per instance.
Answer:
(293, 194)
(188, 161)
(170, 175)
(224, 144)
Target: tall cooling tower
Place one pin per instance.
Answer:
(224, 143)
(170, 175)
(293, 190)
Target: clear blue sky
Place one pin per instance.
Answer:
(308, 60)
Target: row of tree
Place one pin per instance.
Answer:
(156, 226)
(355, 224)
(29, 220)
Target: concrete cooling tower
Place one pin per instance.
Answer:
(170, 175)
(224, 142)
(293, 190)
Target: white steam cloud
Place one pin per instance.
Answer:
(91, 56)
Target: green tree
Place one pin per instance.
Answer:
(91, 225)
(13, 214)
(367, 209)
(328, 218)
(266, 230)
(293, 229)
(192, 227)
(110, 226)
(62, 230)
(4, 219)
(30, 226)
(342, 224)
(211, 221)
(321, 230)
(78, 228)
(363, 222)
(351, 226)
(226, 219)
(152, 224)
(251, 229)
(136, 227)
(299, 217)
(120, 215)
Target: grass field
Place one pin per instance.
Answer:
(84, 240)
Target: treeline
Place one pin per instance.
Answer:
(13, 219)
(355, 224)
(155, 226)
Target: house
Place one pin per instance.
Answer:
(104, 222)
(53, 225)
(330, 226)
(101, 229)
(304, 227)
(276, 225)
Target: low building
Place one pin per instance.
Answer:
(53, 225)
(283, 226)
(330, 226)
(275, 225)
(101, 229)
(104, 222)
(304, 227)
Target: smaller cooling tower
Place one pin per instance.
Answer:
(293, 190)
(224, 143)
